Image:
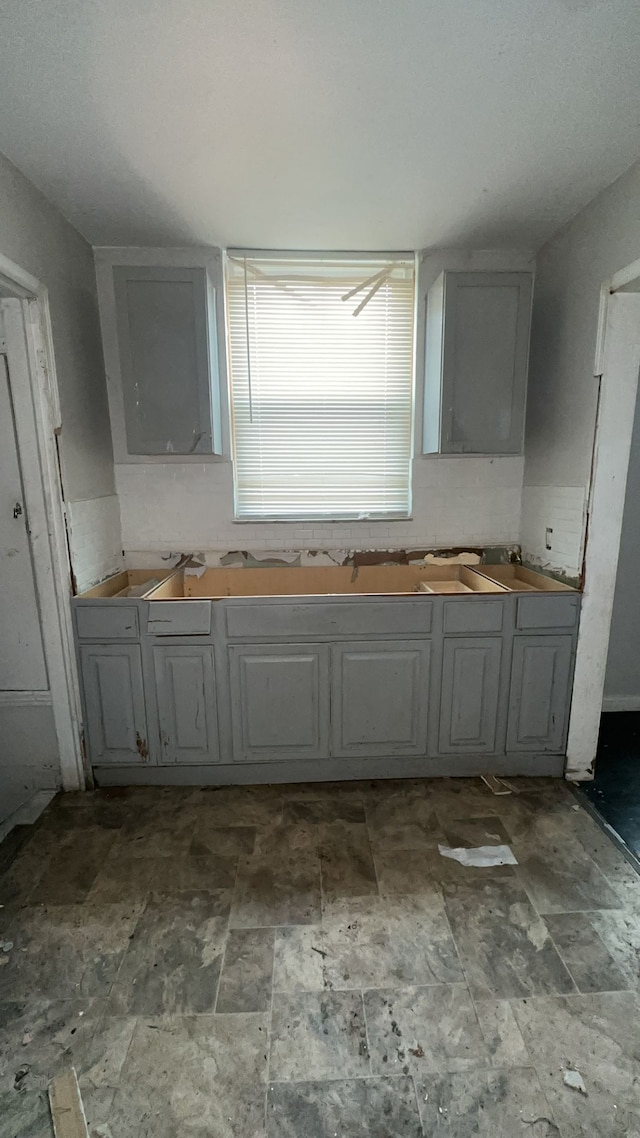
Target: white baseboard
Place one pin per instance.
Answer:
(621, 703)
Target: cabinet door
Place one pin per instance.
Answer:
(539, 696)
(379, 698)
(476, 360)
(167, 351)
(470, 694)
(116, 722)
(280, 706)
(185, 688)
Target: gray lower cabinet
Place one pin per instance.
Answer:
(539, 696)
(440, 687)
(280, 703)
(116, 722)
(470, 693)
(186, 695)
(379, 697)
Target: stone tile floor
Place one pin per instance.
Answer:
(301, 962)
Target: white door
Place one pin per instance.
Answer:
(22, 662)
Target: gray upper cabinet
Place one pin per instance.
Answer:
(167, 349)
(115, 716)
(469, 700)
(186, 697)
(281, 701)
(539, 700)
(380, 698)
(476, 359)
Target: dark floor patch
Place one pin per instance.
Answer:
(615, 791)
(12, 844)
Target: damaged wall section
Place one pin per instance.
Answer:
(274, 559)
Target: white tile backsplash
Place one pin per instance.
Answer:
(563, 509)
(95, 539)
(456, 501)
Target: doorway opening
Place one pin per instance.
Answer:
(39, 695)
(604, 744)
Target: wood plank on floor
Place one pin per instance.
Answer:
(67, 1110)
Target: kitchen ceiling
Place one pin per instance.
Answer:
(320, 124)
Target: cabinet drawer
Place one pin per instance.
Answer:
(366, 618)
(107, 622)
(179, 618)
(473, 615)
(542, 611)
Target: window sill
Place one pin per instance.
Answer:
(323, 519)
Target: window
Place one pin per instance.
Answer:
(321, 354)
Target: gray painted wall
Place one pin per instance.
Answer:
(37, 238)
(29, 759)
(601, 239)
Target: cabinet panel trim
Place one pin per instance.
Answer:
(269, 707)
(406, 703)
(196, 707)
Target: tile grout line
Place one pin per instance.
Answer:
(415, 1092)
(580, 847)
(366, 1031)
(371, 851)
(126, 1056)
(454, 942)
(232, 892)
(561, 959)
(270, 1033)
(143, 905)
(498, 999)
(219, 981)
(599, 936)
(233, 897)
(356, 1079)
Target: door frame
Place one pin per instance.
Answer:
(34, 387)
(617, 366)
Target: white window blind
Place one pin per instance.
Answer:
(321, 354)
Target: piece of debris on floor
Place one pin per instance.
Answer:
(496, 785)
(67, 1110)
(20, 1076)
(320, 951)
(481, 856)
(574, 1080)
